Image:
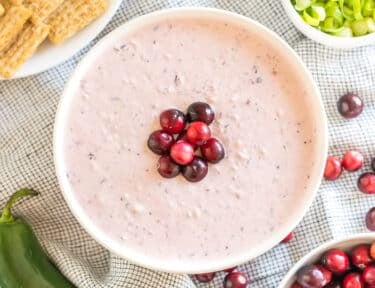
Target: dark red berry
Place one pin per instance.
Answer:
(312, 276)
(372, 251)
(183, 137)
(333, 168)
(288, 238)
(198, 133)
(366, 183)
(213, 150)
(229, 270)
(360, 256)
(196, 170)
(352, 161)
(200, 111)
(368, 275)
(167, 167)
(236, 280)
(336, 261)
(333, 284)
(326, 273)
(296, 285)
(373, 164)
(160, 142)
(350, 105)
(370, 219)
(205, 277)
(353, 280)
(182, 152)
(172, 121)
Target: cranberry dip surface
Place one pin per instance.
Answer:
(263, 117)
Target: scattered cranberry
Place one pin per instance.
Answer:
(205, 277)
(213, 150)
(236, 280)
(333, 168)
(336, 261)
(182, 152)
(182, 137)
(172, 121)
(368, 275)
(370, 219)
(160, 142)
(229, 270)
(296, 285)
(198, 133)
(373, 164)
(199, 111)
(196, 170)
(372, 251)
(167, 167)
(312, 276)
(288, 238)
(350, 105)
(353, 280)
(366, 183)
(352, 161)
(360, 256)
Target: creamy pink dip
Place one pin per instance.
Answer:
(262, 117)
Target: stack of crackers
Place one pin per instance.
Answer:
(25, 24)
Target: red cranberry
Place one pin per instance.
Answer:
(288, 238)
(198, 133)
(353, 280)
(366, 183)
(360, 256)
(172, 121)
(296, 285)
(196, 170)
(205, 277)
(350, 105)
(236, 280)
(372, 251)
(373, 164)
(333, 168)
(183, 137)
(352, 161)
(229, 270)
(368, 275)
(326, 273)
(333, 284)
(213, 150)
(160, 142)
(182, 152)
(313, 276)
(167, 167)
(370, 219)
(336, 261)
(200, 111)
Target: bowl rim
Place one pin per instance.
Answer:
(353, 239)
(322, 37)
(139, 258)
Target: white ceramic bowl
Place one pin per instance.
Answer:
(160, 264)
(345, 243)
(324, 38)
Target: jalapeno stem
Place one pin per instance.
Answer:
(6, 215)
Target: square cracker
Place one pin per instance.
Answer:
(41, 9)
(22, 48)
(73, 15)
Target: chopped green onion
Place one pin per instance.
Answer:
(359, 27)
(309, 19)
(302, 4)
(370, 24)
(343, 32)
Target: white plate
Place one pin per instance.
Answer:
(49, 55)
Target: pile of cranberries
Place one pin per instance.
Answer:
(185, 143)
(339, 269)
(233, 279)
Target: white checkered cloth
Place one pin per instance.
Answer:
(27, 111)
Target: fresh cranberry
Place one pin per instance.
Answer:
(370, 219)
(373, 164)
(366, 183)
(288, 238)
(296, 285)
(333, 284)
(182, 152)
(336, 261)
(229, 270)
(172, 121)
(350, 105)
(372, 251)
(183, 137)
(333, 168)
(198, 133)
(368, 275)
(205, 277)
(160, 142)
(200, 111)
(167, 167)
(353, 280)
(196, 170)
(352, 161)
(326, 273)
(236, 280)
(312, 276)
(213, 150)
(360, 256)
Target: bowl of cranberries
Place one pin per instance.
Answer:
(343, 263)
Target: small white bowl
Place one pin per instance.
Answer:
(346, 243)
(322, 37)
